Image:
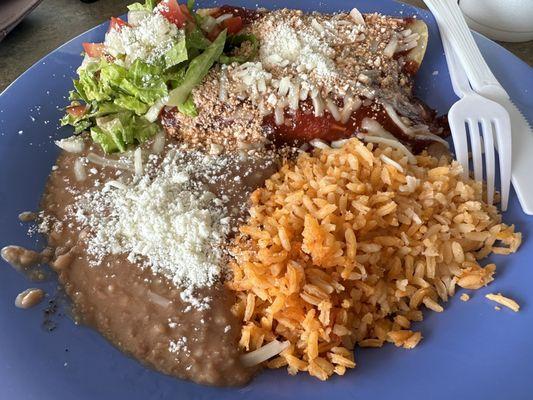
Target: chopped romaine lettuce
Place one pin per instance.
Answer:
(148, 5)
(104, 140)
(91, 88)
(112, 101)
(174, 76)
(144, 82)
(78, 93)
(176, 54)
(112, 74)
(144, 129)
(131, 103)
(188, 107)
(116, 132)
(196, 39)
(116, 98)
(197, 70)
(110, 131)
(235, 41)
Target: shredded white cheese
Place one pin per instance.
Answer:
(72, 144)
(264, 353)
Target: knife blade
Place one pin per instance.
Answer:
(522, 144)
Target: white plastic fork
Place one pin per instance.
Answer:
(473, 111)
(476, 116)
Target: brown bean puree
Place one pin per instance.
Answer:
(138, 311)
(27, 262)
(29, 298)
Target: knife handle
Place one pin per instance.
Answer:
(454, 25)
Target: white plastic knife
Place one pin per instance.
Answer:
(522, 165)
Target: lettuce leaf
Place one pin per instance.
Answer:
(116, 132)
(96, 81)
(176, 54)
(108, 81)
(78, 93)
(144, 129)
(114, 129)
(174, 76)
(104, 109)
(148, 5)
(91, 88)
(112, 74)
(144, 82)
(196, 39)
(103, 139)
(235, 41)
(197, 70)
(188, 108)
(132, 104)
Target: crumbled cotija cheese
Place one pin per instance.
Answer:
(169, 219)
(149, 40)
(168, 222)
(179, 345)
(301, 46)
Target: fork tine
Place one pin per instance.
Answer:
(459, 141)
(475, 143)
(490, 166)
(503, 137)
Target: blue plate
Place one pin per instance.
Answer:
(470, 351)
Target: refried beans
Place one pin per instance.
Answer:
(144, 313)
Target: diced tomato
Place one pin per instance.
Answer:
(77, 111)
(93, 49)
(233, 25)
(117, 24)
(172, 11)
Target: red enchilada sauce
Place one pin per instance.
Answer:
(303, 126)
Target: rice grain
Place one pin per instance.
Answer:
(344, 246)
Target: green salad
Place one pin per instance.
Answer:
(153, 60)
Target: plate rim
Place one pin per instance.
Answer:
(236, 392)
